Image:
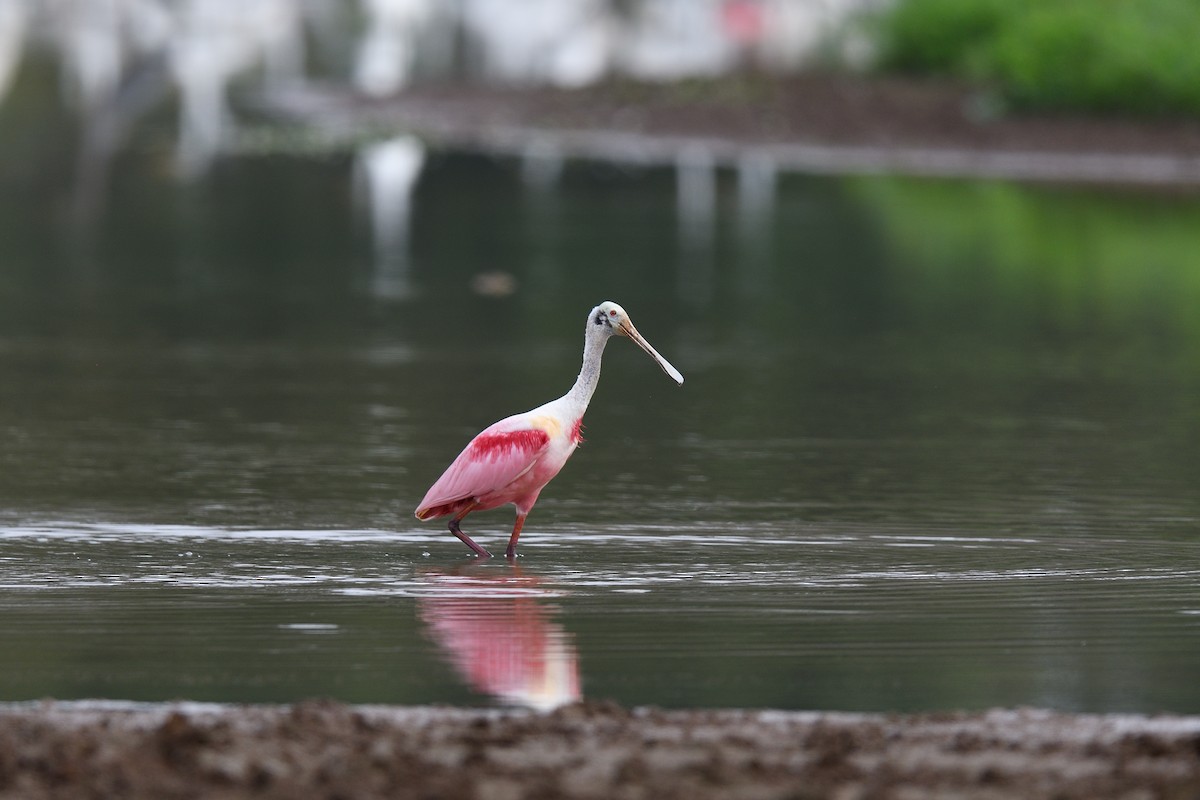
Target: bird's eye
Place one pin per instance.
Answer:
(612, 313)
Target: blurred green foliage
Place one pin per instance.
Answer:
(1098, 56)
(1101, 267)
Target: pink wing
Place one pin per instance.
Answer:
(493, 459)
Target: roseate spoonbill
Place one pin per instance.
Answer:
(512, 460)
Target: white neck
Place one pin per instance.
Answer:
(589, 374)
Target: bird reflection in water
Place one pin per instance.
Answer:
(499, 633)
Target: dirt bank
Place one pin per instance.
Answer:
(815, 123)
(328, 750)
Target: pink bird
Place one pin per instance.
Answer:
(513, 460)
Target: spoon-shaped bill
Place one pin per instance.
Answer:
(630, 331)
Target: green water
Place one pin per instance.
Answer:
(937, 448)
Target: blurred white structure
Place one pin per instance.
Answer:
(673, 39)
(211, 43)
(696, 209)
(559, 42)
(542, 165)
(204, 46)
(91, 50)
(14, 16)
(387, 50)
(793, 33)
(757, 179)
(388, 172)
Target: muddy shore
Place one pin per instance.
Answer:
(818, 123)
(322, 749)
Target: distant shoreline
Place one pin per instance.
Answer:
(591, 750)
(811, 123)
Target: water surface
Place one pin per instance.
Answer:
(937, 447)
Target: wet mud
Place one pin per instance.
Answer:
(322, 749)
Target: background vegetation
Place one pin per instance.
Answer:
(1096, 56)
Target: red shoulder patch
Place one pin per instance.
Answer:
(577, 431)
(500, 444)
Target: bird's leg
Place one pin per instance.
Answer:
(467, 540)
(457, 531)
(511, 552)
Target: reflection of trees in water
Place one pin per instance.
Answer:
(1027, 260)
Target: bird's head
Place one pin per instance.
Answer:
(608, 318)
